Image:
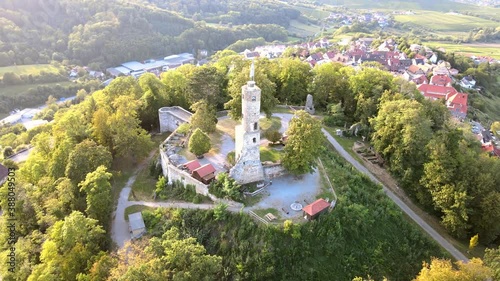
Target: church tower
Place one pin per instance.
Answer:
(248, 167)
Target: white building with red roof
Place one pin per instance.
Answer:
(455, 101)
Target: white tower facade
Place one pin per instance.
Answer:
(248, 167)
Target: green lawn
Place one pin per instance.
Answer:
(445, 23)
(262, 212)
(20, 90)
(480, 49)
(227, 126)
(273, 123)
(267, 153)
(33, 69)
(136, 208)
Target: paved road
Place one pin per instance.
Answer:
(436, 236)
(21, 157)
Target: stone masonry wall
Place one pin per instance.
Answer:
(274, 171)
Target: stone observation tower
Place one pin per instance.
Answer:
(248, 167)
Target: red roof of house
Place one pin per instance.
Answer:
(330, 54)
(436, 91)
(441, 80)
(419, 56)
(421, 79)
(316, 207)
(457, 102)
(487, 147)
(413, 68)
(192, 165)
(205, 170)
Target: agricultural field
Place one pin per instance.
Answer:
(478, 49)
(20, 90)
(428, 5)
(445, 23)
(33, 69)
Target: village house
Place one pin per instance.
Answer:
(441, 80)
(468, 82)
(455, 102)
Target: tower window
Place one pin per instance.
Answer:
(255, 126)
(254, 98)
(254, 140)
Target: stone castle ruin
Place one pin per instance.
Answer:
(172, 117)
(248, 167)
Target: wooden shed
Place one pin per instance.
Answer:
(316, 208)
(136, 225)
(205, 173)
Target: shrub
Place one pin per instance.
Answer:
(199, 143)
(8, 151)
(183, 129)
(273, 135)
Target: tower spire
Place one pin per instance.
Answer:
(252, 71)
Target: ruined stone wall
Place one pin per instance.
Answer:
(172, 117)
(274, 171)
(173, 173)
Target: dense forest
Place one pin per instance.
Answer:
(104, 34)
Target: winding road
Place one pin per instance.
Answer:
(120, 233)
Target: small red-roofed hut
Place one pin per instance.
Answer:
(316, 208)
(205, 173)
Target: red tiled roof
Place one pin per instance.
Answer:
(440, 80)
(413, 68)
(458, 102)
(316, 207)
(421, 79)
(487, 148)
(330, 55)
(429, 90)
(205, 170)
(192, 165)
(419, 56)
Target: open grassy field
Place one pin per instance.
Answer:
(20, 90)
(445, 23)
(33, 69)
(478, 49)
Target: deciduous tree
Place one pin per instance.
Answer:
(85, 158)
(97, 188)
(204, 117)
(304, 143)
